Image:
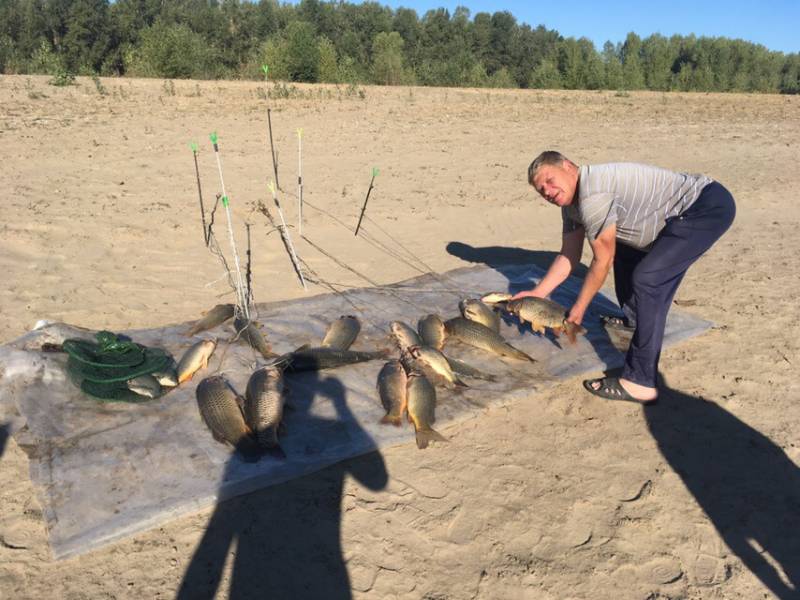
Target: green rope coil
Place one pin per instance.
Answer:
(102, 369)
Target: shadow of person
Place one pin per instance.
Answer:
(745, 483)
(288, 536)
(5, 432)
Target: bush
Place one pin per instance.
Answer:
(174, 52)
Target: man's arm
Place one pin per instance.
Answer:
(603, 248)
(562, 266)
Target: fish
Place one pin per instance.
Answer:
(220, 409)
(392, 381)
(477, 311)
(436, 362)
(431, 331)
(422, 409)
(216, 316)
(480, 336)
(342, 333)
(403, 335)
(461, 368)
(249, 332)
(166, 377)
(194, 359)
(496, 297)
(542, 313)
(314, 359)
(144, 385)
(263, 407)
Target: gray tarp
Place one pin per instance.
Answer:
(107, 470)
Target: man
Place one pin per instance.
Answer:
(651, 224)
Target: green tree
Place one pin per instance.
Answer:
(632, 73)
(387, 58)
(328, 65)
(546, 76)
(612, 67)
(301, 52)
(172, 51)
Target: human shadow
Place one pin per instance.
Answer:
(5, 433)
(524, 268)
(743, 481)
(287, 536)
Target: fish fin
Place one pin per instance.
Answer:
(219, 437)
(184, 377)
(557, 332)
(573, 331)
(391, 420)
(249, 449)
(425, 436)
(458, 382)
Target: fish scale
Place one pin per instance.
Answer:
(219, 408)
(263, 406)
(482, 337)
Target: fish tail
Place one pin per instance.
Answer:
(573, 331)
(392, 420)
(425, 436)
(458, 383)
(518, 354)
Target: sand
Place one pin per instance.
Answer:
(564, 496)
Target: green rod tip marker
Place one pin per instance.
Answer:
(213, 137)
(225, 201)
(375, 171)
(193, 146)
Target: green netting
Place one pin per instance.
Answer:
(102, 369)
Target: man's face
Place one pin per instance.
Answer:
(557, 183)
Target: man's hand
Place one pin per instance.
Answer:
(576, 314)
(527, 294)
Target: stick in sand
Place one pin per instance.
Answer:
(243, 306)
(300, 182)
(364, 208)
(287, 240)
(206, 229)
(272, 149)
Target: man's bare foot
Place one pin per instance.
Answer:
(640, 392)
(614, 388)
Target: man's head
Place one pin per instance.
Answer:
(555, 177)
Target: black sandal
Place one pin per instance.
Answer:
(611, 389)
(617, 323)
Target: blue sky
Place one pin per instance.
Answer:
(772, 23)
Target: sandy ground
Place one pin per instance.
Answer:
(564, 496)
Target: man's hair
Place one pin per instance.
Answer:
(548, 157)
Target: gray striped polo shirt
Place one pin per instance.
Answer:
(638, 198)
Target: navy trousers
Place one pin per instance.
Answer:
(646, 282)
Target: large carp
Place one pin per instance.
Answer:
(216, 316)
(542, 313)
(263, 407)
(342, 333)
(392, 381)
(195, 358)
(314, 359)
(422, 409)
(219, 407)
(480, 336)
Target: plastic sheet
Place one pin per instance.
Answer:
(107, 470)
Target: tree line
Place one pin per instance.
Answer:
(340, 42)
